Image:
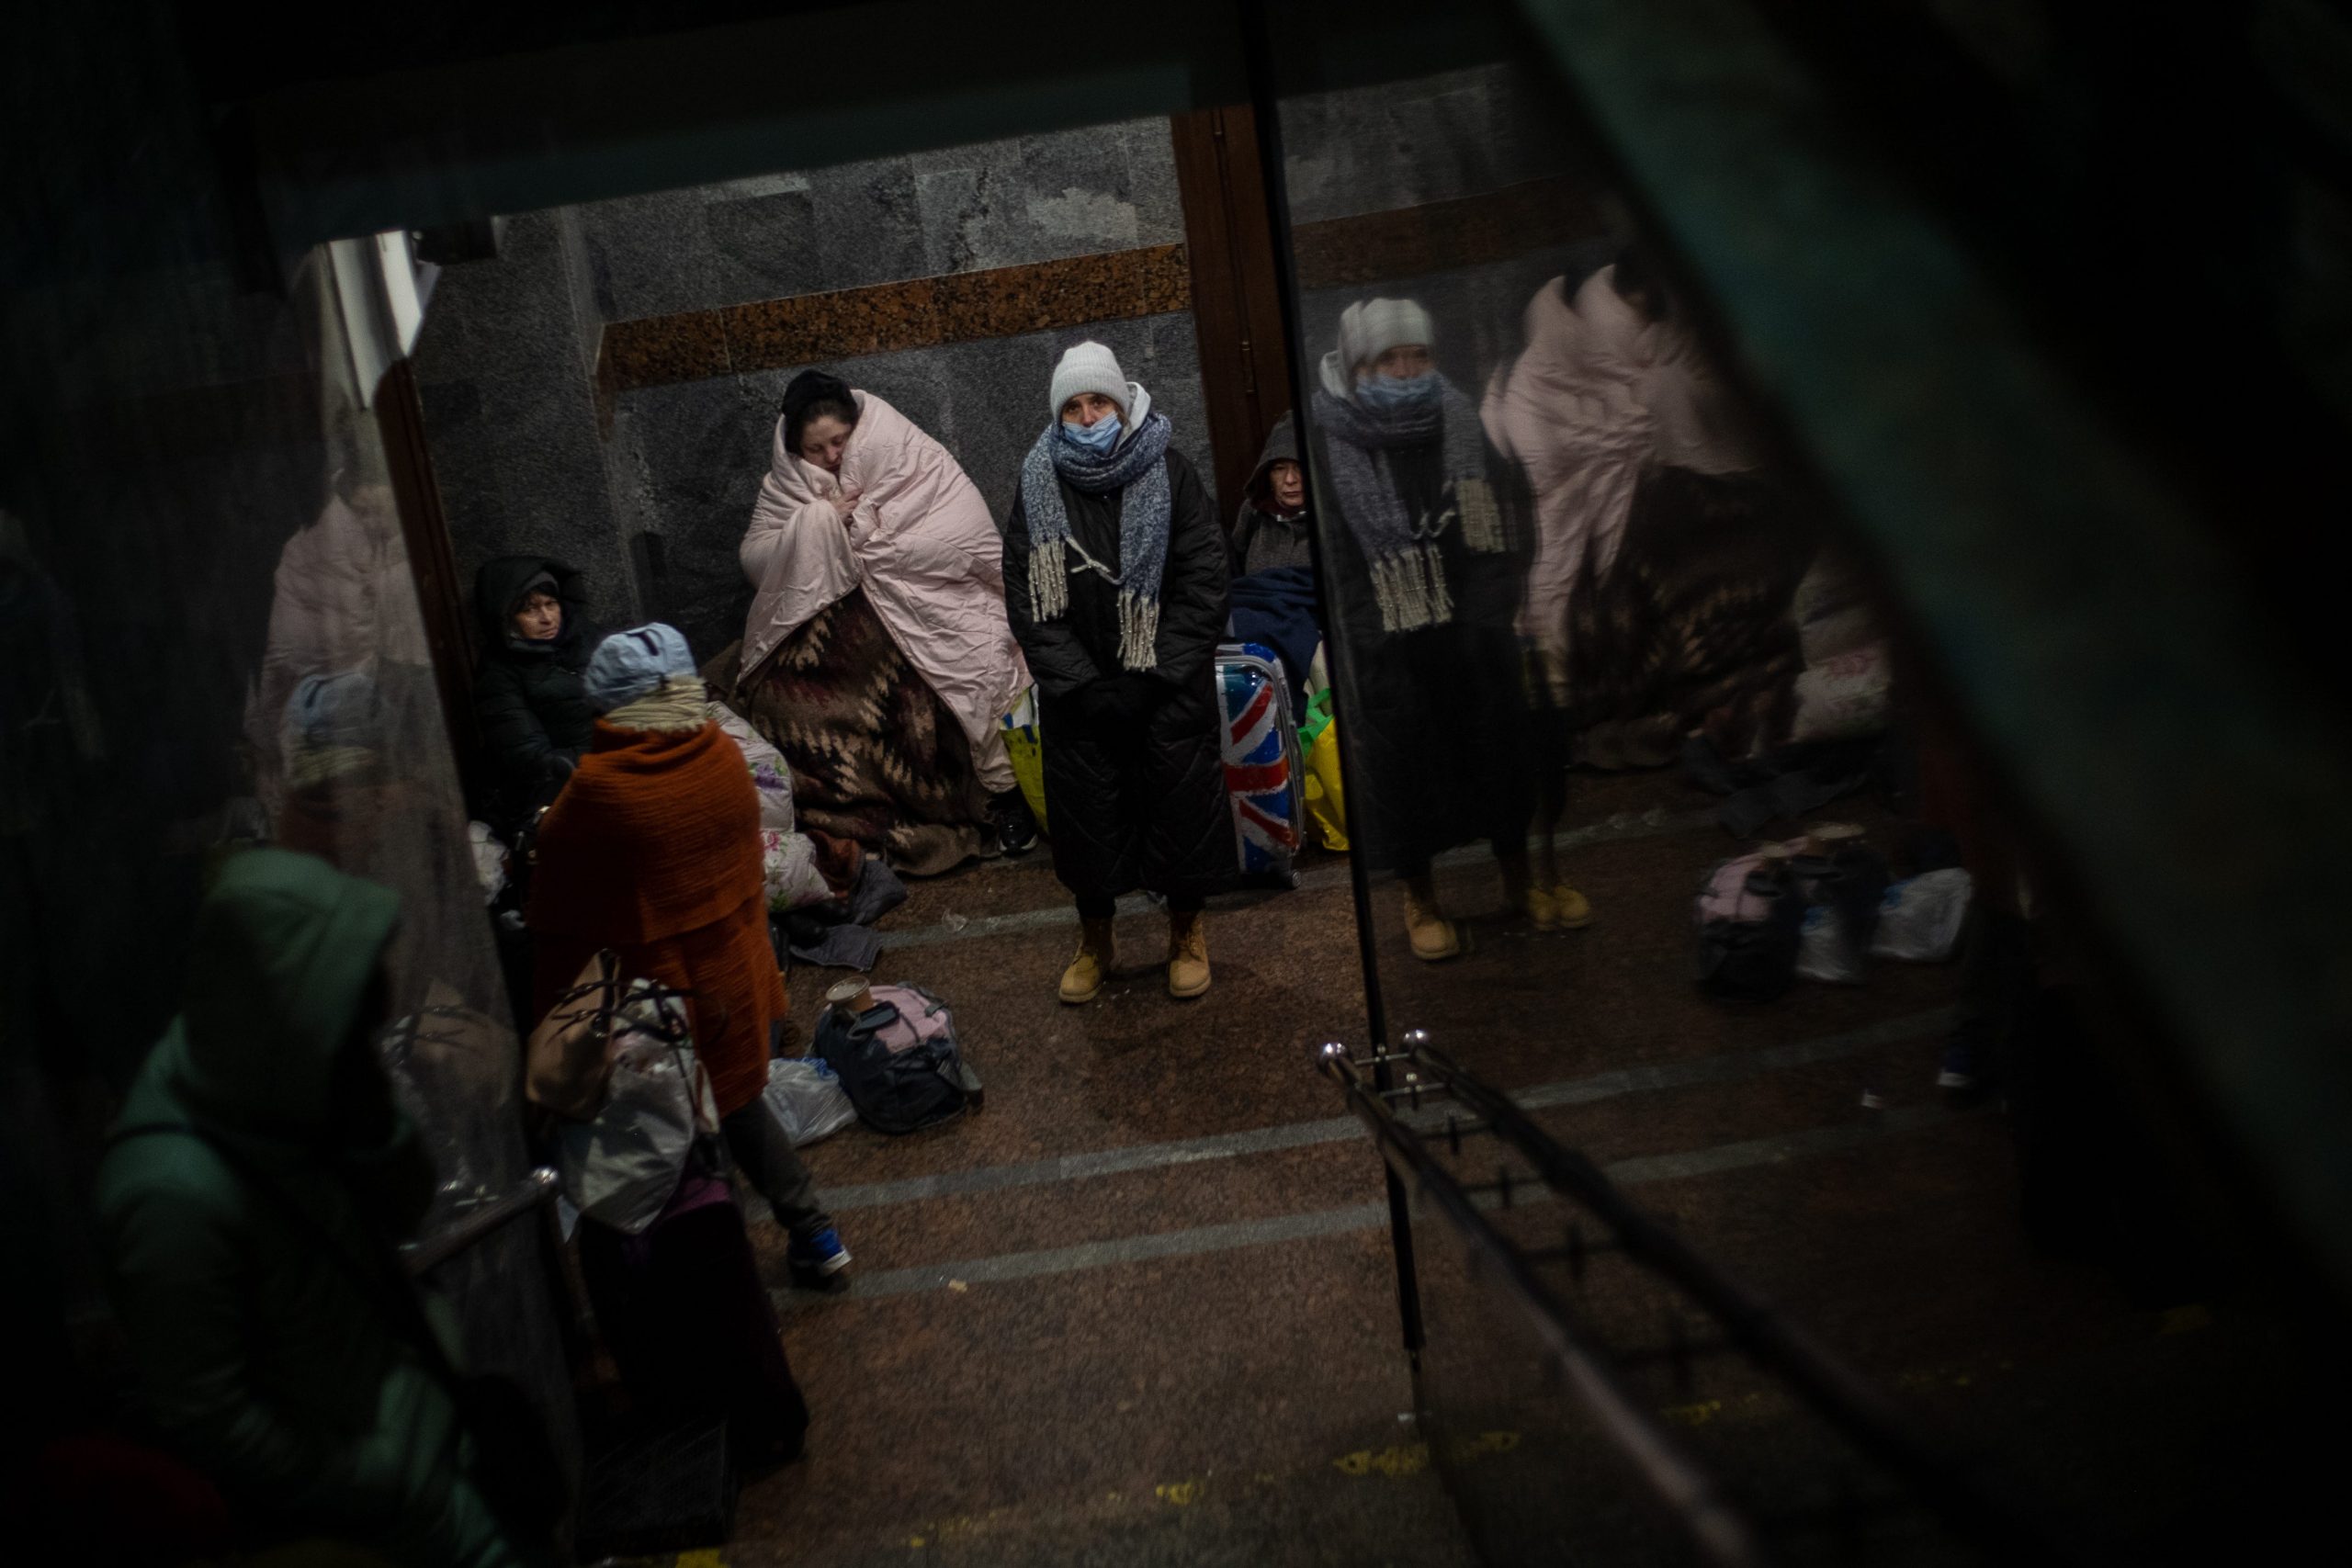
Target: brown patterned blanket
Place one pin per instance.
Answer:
(875, 755)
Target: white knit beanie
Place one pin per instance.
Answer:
(1370, 328)
(1090, 368)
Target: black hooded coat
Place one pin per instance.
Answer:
(1135, 776)
(1434, 718)
(1263, 539)
(529, 699)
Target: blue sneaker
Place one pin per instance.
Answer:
(819, 1259)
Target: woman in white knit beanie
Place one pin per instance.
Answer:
(1426, 572)
(1114, 581)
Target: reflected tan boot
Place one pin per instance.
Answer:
(1565, 909)
(1082, 981)
(1551, 902)
(1433, 936)
(1188, 954)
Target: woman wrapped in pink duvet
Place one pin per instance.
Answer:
(877, 657)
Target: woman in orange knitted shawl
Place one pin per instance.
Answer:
(654, 850)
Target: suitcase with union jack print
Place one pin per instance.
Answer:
(1264, 775)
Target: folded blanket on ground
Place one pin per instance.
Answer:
(840, 934)
(1277, 607)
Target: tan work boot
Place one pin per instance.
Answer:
(1433, 936)
(1188, 954)
(1559, 907)
(1082, 981)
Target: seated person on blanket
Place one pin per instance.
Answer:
(1425, 580)
(1115, 577)
(1274, 563)
(877, 657)
(528, 697)
(653, 851)
(1666, 557)
(253, 1192)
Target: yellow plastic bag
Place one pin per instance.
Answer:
(1022, 744)
(1327, 805)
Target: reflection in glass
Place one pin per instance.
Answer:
(1421, 522)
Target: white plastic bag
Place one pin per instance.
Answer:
(770, 774)
(1825, 951)
(788, 866)
(805, 1095)
(490, 859)
(621, 1166)
(1920, 920)
(1844, 696)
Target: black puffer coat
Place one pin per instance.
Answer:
(1134, 777)
(1433, 721)
(528, 699)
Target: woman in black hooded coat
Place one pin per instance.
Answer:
(528, 701)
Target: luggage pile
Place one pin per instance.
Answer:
(667, 1263)
(1264, 774)
(1819, 908)
(1281, 765)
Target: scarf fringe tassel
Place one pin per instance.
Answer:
(1049, 600)
(1411, 589)
(1048, 582)
(1138, 631)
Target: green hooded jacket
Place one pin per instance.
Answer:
(249, 1261)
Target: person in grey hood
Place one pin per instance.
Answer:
(1271, 529)
(534, 714)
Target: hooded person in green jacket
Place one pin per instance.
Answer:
(256, 1182)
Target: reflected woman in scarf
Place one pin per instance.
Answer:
(1428, 562)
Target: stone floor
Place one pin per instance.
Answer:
(1142, 1309)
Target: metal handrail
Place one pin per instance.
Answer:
(425, 1254)
(1721, 1533)
(1942, 1484)
(1841, 1397)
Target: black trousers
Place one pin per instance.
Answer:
(1139, 803)
(760, 1145)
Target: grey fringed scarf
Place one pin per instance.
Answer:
(1138, 467)
(1407, 569)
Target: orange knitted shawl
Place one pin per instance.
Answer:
(654, 850)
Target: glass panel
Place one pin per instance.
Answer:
(213, 644)
(1659, 832)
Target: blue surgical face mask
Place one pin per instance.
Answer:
(1097, 438)
(1389, 394)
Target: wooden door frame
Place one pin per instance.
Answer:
(1237, 309)
(432, 558)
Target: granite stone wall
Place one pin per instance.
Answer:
(508, 358)
(692, 456)
(1410, 143)
(1442, 138)
(511, 414)
(504, 367)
